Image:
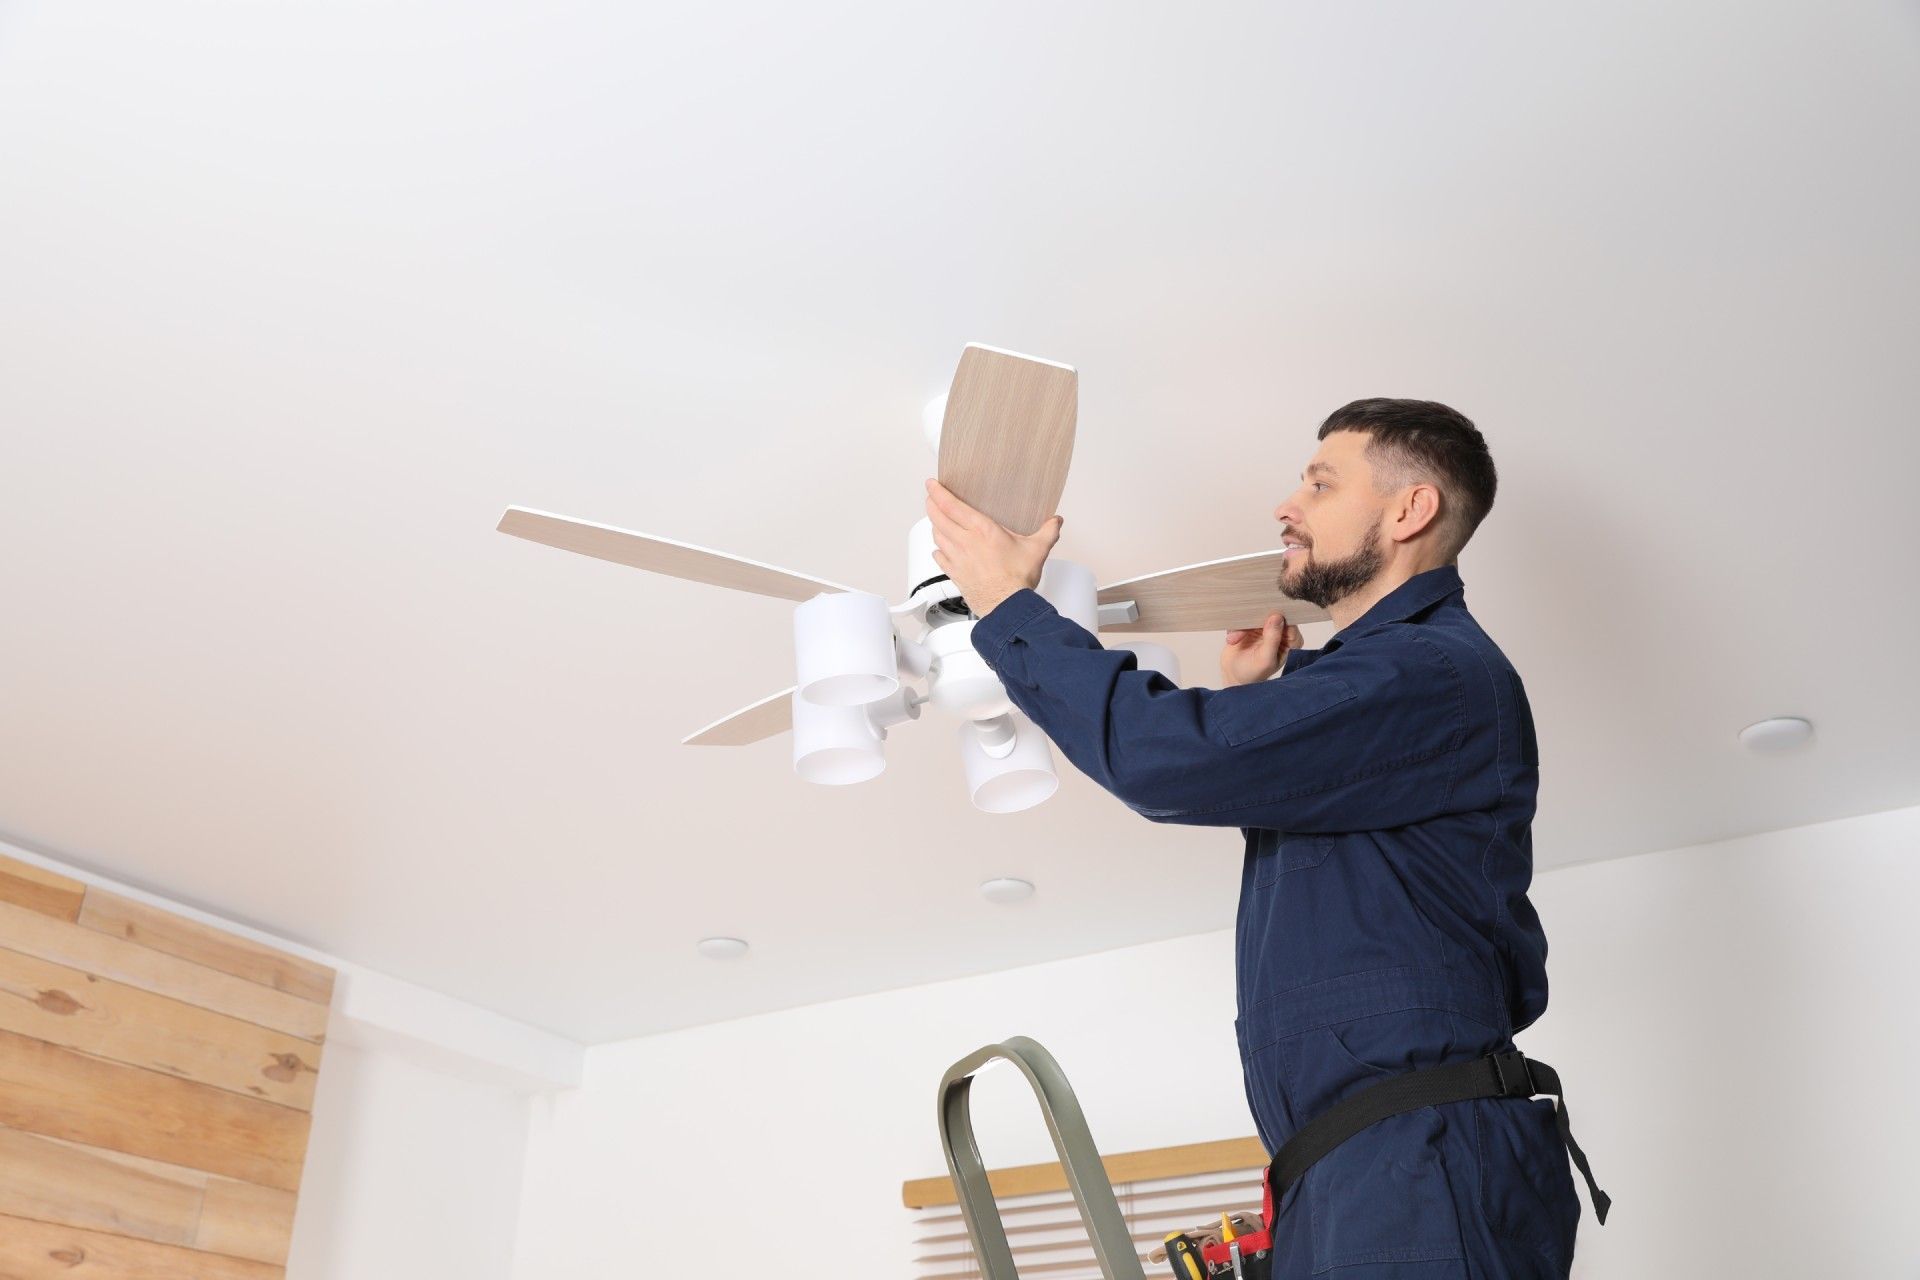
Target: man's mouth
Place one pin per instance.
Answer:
(1287, 549)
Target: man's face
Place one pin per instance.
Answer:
(1333, 524)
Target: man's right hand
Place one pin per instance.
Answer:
(1252, 655)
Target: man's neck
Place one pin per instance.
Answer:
(1349, 609)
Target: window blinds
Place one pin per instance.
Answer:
(1048, 1239)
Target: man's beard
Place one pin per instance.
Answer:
(1324, 582)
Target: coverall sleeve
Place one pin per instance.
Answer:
(1364, 738)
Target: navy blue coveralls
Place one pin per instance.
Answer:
(1385, 788)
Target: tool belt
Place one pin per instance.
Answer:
(1248, 1254)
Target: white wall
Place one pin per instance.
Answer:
(1782, 964)
(1739, 1028)
(411, 1172)
(811, 1118)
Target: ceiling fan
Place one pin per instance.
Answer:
(1004, 436)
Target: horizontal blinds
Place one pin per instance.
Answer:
(1048, 1239)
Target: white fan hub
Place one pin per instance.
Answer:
(960, 681)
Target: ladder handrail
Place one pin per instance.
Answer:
(1086, 1174)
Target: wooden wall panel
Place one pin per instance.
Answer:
(52, 1181)
(48, 1180)
(203, 944)
(38, 890)
(63, 1094)
(125, 1024)
(155, 1080)
(160, 973)
(48, 1251)
(246, 1221)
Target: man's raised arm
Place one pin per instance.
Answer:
(1363, 740)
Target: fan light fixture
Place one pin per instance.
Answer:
(1072, 590)
(1149, 656)
(834, 745)
(843, 646)
(840, 745)
(1009, 765)
(1003, 437)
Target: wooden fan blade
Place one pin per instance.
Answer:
(772, 714)
(1008, 435)
(662, 555)
(1220, 595)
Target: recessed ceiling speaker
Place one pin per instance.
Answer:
(1006, 889)
(1782, 733)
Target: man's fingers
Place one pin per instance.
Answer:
(944, 500)
(949, 536)
(942, 538)
(938, 513)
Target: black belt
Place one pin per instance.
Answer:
(1498, 1075)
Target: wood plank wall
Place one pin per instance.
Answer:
(156, 1084)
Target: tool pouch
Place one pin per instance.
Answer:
(1209, 1258)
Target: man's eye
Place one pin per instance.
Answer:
(1319, 484)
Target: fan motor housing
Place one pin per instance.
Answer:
(927, 583)
(960, 682)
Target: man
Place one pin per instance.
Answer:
(1384, 785)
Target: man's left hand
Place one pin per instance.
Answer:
(986, 560)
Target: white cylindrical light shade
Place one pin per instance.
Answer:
(1019, 780)
(1149, 656)
(843, 649)
(835, 745)
(932, 419)
(1073, 592)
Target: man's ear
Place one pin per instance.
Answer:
(1419, 507)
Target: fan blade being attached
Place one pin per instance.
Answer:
(1220, 595)
(772, 714)
(662, 555)
(1007, 436)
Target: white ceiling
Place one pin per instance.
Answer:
(295, 298)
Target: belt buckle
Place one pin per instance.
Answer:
(1514, 1074)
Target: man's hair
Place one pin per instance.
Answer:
(1415, 441)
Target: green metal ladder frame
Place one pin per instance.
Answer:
(1086, 1175)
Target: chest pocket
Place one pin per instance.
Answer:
(1294, 853)
(1267, 708)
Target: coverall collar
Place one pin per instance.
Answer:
(1410, 597)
